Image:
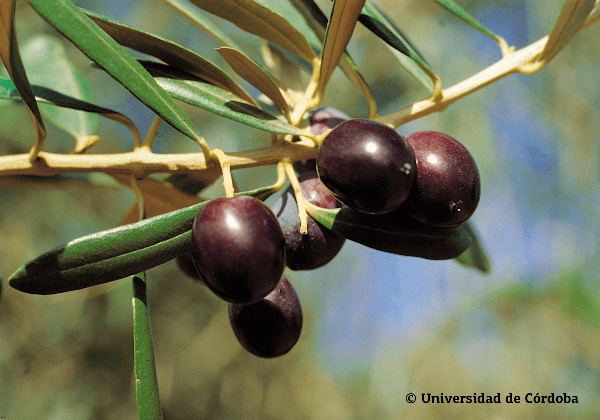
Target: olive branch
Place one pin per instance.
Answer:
(189, 78)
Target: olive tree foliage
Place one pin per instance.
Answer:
(301, 44)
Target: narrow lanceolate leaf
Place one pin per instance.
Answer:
(9, 52)
(313, 15)
(339, 31)
(50, 97)
(475, 256)
(223, 103)
(463, 15)
(146, 381)
(197, 19)
(593, 16)
(261, 21)
(317, 21)
(572, 17)
(291, 15)
(112, 254)
(169, 52)
(255, 75)
(47, 64)
(100, 47)
(396, 233)
(381, 25)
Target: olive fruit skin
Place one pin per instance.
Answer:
(185, 262)
(239, 249)
(367, 165)
(321, 120)
(272, 326)
(447, 188)
(320, 245)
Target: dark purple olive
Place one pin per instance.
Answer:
(320, 245)
(185, 262)
(447, 187)
(239, 249)
(367, 165)
(321, 120)
(271, 326)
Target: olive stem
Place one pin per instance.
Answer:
(302, 215)
(139, 196)
(280, 183)
(226, 169)
(152, 132)
(514, 62)
(141, 163)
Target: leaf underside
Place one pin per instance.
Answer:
(395, 232)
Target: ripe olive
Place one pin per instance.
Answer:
(321, 120)
(238, 247)
(185, 262)
(447, 187)
(320, 245)
(271, 326)
(367, 165)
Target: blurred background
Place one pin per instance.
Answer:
(377, 326)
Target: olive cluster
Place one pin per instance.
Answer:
(238, 252)
(240, 247)
(373, 169)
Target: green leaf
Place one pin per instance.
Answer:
(146, 383)
(201, 22)
(255, 75)
(395, 232)
(381, 25)
(572, 17)
(291, 15)
(100, 47)
(169, 52)
(50, 97)
(260, 21)
(594, 15)
(47, 64)
(112, 254)
(9, 52)
(474, 256)
(218, 101)
(463, 15)
(339, 31)
(317, 21)
(313, 16)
